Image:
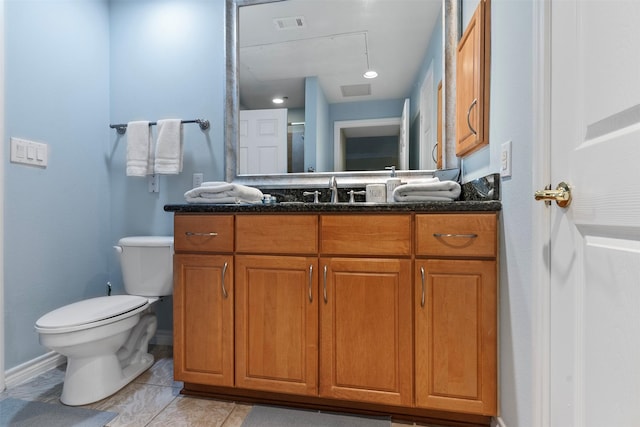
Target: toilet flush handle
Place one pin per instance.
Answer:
(118, 249)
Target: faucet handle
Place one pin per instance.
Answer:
(314, 193)
(359, 193)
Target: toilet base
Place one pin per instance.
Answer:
(92, 379)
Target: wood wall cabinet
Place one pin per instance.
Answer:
(472, 83)
(455, 313)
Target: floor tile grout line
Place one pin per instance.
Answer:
(162, 410)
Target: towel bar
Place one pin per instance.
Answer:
(122, 128)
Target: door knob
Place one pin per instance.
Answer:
(562, 195)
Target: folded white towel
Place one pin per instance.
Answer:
(168, 156)
(139, 149)
(223, 193)
(431, 190)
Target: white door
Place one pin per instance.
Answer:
(403, 142)
(594, 323)
(263, 141)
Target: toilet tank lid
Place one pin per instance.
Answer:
(90, 311)
(146, 241)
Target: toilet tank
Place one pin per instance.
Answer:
(147, 265)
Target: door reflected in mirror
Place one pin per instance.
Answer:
(314, 58)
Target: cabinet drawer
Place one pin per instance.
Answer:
(365, 234)
(463, 235)
(277, 234)
(203, 233)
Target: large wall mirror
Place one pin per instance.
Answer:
(334, 120)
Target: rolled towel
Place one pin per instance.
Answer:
(429, 190)
(139, 149)
(223, 193)
(168, 155)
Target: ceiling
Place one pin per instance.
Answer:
(335, 40)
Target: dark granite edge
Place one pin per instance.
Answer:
(457, 206)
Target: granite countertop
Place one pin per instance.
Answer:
(289, 207)
(480, 195)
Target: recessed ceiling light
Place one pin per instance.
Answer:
(279, 100)
(370, 74)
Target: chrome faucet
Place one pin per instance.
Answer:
(333, 187)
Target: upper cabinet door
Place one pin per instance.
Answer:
(472, 83)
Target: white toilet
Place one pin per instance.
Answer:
(105, 339)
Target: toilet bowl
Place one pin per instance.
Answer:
(106, 339)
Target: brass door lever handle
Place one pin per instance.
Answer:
(562, 195)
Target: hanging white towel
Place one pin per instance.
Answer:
(169, 147)
(139, 149)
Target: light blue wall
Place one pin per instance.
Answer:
(167, 61)
(512, 119)
(72, 68)
(62, 88)
(57, 231)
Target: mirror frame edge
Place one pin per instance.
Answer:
(232, 105)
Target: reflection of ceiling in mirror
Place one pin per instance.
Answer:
(336, 40)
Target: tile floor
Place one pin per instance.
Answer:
(152, 399)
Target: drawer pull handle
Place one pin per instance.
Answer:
(462, 236)
(422, 274)
(191, 233)
(311, 283)
(324, 286)
(224, 273)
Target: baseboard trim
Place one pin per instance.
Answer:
(33, 368)
(498, 422)
(163, 337)
(50, 360)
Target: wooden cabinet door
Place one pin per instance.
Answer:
(455, 335)
(472, 84)
(203, 319)
(365, 321)
(277, 323)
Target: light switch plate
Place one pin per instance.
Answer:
(198, 177)
(29, 153)
(154, 183)
(505, 160)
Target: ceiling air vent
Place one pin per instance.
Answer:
(356, 90)
(289, 23)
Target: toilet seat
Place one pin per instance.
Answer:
(91, 313)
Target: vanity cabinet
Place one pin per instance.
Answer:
(472, 83)
(203, 313)
(277, 303)
(391, 312)
(365, 313)
(455, 312)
